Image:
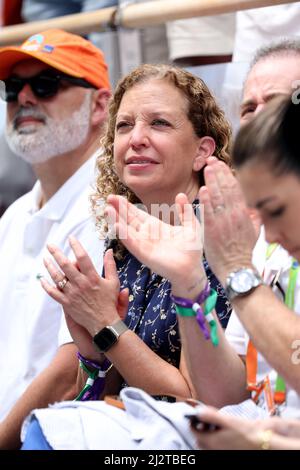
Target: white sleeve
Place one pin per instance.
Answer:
(235, 332)
(260, 252)
(64, 336)
(236, 335)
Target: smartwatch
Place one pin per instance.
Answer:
(108, 336)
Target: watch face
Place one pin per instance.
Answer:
(105, 339)
(242, 282)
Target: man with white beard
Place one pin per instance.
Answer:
(57, 89)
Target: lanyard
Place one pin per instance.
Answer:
(251, 358)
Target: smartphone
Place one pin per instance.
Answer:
(199, 425)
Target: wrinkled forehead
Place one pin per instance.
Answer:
(279, 74)
(154, 92)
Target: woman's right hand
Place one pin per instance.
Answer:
(91, 300)
(82, 339)
(173, 251)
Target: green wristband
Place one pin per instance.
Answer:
(210, 302)
(185, 312)
(208, 307)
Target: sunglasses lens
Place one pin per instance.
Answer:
(45, 86)
(13, 86)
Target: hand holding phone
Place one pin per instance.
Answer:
(198, 425)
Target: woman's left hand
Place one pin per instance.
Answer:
(90, 300)
(173, 251)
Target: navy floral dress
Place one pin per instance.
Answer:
(151, 313)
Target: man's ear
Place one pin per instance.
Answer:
(206, 149)
(99, 106)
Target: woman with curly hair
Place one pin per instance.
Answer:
(163, 125)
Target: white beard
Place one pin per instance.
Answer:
(37, 143)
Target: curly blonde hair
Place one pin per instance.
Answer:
(203, 112)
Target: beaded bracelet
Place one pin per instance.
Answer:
(94, 385)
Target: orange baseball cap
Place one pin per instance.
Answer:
(63, 51)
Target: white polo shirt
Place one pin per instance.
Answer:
(258, 27)
(32, 325)
(236, 333)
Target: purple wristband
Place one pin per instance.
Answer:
(188, 303)
(200, 317)
(95, 391)
(97, 388)
(106, 363)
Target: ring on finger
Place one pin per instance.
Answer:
(265, 439)
(62, 283)
(219, 208)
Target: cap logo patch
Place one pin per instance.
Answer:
(34, 43)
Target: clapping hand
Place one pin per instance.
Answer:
(173, 251)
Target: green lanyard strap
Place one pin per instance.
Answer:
(280, 387)
(270, 249)
(290, 293)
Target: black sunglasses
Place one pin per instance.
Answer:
(44, 85)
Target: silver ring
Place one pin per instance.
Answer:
(219, 208)
(62, 284)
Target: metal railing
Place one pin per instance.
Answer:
(135, 15)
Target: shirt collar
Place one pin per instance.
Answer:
(55, 208)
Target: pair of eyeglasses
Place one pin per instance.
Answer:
(44, 85)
